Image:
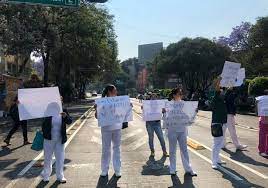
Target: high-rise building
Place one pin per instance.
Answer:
(147, 52)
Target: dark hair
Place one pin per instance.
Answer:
(174, 92)
(108, 88)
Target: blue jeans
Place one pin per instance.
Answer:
(155, 126)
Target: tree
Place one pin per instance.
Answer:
(238, 39)
(196, 62)
(75, 44)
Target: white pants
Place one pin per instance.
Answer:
(56, 147)
(232, 130)
(173, 138)
(109, 137)
(217, 145)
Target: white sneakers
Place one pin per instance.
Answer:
(215, 167)
(62, 180)
(241, 147)
(264, 154)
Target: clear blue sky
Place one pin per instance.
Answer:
(148, 21)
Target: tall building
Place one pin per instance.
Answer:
(147, 52)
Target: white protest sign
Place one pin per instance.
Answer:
(262, 105)
(39, 103)
(181, 113)
(112, 110)
(240, 77)
(229, 74)
(152, 109)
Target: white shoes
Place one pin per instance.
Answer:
(104, 174)
(62, 180)
(241, 147)
(264, 154)
(118, 174)
(215, 167)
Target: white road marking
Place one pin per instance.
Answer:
(131, 134)
(237, 162)
(233, 161)
(219, 167)
(137, 144)
(29, 166)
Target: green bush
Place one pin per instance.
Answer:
(165, 92)
(258, 85)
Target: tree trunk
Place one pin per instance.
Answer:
(46, 66)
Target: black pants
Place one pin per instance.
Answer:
(15, 128)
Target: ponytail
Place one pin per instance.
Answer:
(107, 89)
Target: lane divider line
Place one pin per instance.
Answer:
(38, 157)
(237, 163)
(221, 168)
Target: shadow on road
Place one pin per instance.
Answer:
(104, 182)
(241, 157)
(156, 168)
(187, 183)
(6, 150)
(236, 183)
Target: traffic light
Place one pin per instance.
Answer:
(97, 1)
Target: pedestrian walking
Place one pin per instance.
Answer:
(263, 129)
(14, 114)
(155, 127)
(110, 135)
(218, 124)
(54, 132)
(178, 134)
(230, 98)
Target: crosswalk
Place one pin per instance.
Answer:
(132, 138)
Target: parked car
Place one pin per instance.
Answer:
(94, 94)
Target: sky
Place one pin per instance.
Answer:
(168, 21)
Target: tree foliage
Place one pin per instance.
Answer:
(195, 61)
(73, 42)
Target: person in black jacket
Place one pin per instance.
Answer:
(54, 132)
(14, 113)
(230, 98)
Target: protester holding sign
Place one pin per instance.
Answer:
(262, 103)
(219, 120)
(14, 113)
(230, 98)
(54, 132)
(178, 133)
(155, 127)
(110, 134)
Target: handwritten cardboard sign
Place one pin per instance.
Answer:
(113, 110)
(181, 113)
(152, 109)
(262, 105)
(229, 74)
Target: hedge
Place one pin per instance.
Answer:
(258, 85)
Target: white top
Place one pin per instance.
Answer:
(56, 127)
(112, 127)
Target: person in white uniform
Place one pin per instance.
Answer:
(54, 132)
(218, 124)
(178, 134)
(230, 98)
(110, 135)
